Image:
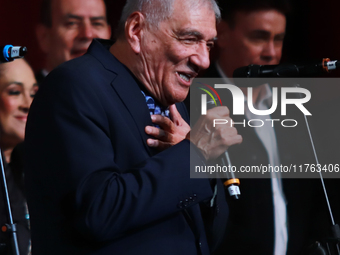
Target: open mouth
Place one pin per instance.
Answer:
(186, 77)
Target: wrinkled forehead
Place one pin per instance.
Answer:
(198, 19)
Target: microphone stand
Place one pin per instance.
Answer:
(335, 229)
(11, 227)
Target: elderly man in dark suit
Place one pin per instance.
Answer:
(96, 183)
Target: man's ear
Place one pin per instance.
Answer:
(43, 35)
(133, 29)
(223, 33)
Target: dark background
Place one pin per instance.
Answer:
(312, 32)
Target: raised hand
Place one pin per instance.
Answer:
(213, 141)
(171, 131)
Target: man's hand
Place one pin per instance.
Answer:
(171, 131)
(213, 141)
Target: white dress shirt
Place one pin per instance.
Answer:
(266, 135)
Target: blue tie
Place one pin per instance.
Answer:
(154, 108)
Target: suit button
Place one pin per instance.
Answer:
(180, 204)
(190, 198)
(186, 203)
(194, 197)
(217, 209)
(200, 244)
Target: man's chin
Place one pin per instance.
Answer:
(180, 98)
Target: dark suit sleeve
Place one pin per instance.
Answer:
(68, 130)
(215, 215)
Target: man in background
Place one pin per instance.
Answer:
(66, 29)
(273, 215)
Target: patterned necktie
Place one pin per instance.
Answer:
(154, 108)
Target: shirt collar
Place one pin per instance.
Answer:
(265, 95)
(44, 72)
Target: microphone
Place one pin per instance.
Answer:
(9, 52)
(232, 183)
(287, 70)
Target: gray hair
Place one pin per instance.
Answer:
(156, 11)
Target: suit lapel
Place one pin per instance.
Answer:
(126, 88)
(129, 92)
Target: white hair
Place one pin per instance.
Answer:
(156, 11)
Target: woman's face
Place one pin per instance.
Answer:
(17, 89)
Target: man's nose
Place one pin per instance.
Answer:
(200, 57)
(86, 30)
(269, 51)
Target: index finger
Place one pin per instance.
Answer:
(164, 122)
(174, 114)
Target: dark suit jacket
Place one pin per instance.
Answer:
(40, 76)
(250, 228)
(94, 186)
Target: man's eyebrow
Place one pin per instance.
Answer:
(280, 35)
(98, 18)
(195, 33)
(260, 32)
(265, 33)
(73, 16)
